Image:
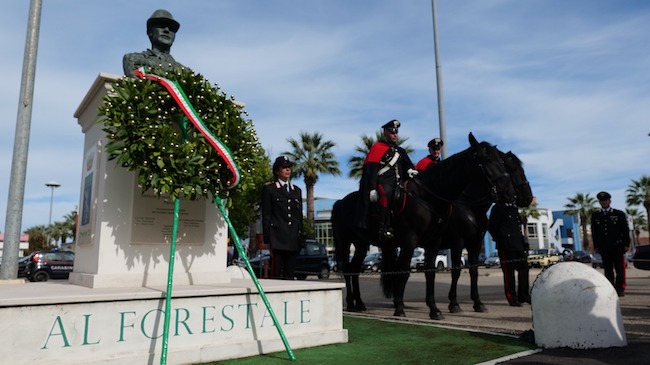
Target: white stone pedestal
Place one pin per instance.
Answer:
(575, 306)
(123, 237)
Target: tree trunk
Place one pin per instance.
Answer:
(310, 206)
(586, 245)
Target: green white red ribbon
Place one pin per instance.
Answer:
(181, 99)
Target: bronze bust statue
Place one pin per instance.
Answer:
(161, 29)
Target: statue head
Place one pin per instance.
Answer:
(161, 29)
(163, 18)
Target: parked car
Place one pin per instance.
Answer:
(481, 259)
(372, 262)
(45, 265)
(311, 260)
(641, 258)
(417, 261)
(580, 256)
(596, 260)
(543, 257)
(492, 260)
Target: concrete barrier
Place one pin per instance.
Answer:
(575, 306)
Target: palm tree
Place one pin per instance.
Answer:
(38, 239)
(356, 161)
(638, 223)
(582, 205)
(639, 193)
(71, 225)
(312, 155)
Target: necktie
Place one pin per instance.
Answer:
(286, 187)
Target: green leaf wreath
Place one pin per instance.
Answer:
(147, 132)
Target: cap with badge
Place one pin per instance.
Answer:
(435, 143)
(281, 162)
(603, 195)
(391, 126)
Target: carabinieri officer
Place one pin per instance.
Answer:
(282, 220)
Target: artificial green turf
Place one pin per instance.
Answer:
(378, 342)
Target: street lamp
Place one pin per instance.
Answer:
(53, 185)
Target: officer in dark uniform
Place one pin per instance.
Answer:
(434, 155)
(505, 227)
(282, 220)
(161, 29)
(385, 166)
(611, 237)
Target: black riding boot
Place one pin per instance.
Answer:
(385, 231)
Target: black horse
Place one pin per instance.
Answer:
(421, 217)
(468, 224)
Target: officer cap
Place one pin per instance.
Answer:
(280, 162)
(393, 125)
(603, 195)
(163, 17)
(435, 143)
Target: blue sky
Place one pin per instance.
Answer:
(563, 84)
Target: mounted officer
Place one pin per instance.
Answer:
(385, 166)
(434, 155)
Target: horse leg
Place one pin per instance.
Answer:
(349, 293)
(434, 312)
(456, 263)
(473, 273)
(359, 306)
(454, 307)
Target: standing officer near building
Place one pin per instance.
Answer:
(611, 237)
(161, 29)
(385, 166)
(434, 155)
(282, 220)
(505, 228)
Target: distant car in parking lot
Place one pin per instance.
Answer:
(46, 265)
(372, 262)
(492, 260)
(312, 260)
(641, 258)
(580, 256)
(596, 260)
(543, 257)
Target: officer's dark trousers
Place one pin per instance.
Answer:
(283, 264)
(512, 261)
(614, 262)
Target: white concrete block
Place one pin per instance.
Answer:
(575, 306)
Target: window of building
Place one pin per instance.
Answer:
(531, 230)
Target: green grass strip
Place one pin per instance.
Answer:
(379, 342)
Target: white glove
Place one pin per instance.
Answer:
(412, 173)
(374, 197)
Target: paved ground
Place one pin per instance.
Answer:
(502, 318)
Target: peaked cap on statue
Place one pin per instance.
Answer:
(162, 16)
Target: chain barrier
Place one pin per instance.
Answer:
(410, 271)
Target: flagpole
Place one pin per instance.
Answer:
(441, 106)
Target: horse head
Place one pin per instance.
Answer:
(489, 160)
(514, 166)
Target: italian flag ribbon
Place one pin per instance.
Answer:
(181, 99)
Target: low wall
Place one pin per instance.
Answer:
(59, 322)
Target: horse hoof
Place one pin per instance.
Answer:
(455, 308)
(399, 314)
(436, 315)
(480, 308)
(351, 309)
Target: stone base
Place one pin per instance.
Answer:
(56, 321)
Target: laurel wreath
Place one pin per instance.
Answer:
(147, 132)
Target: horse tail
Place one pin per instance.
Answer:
(387, 279)
(340, 251)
